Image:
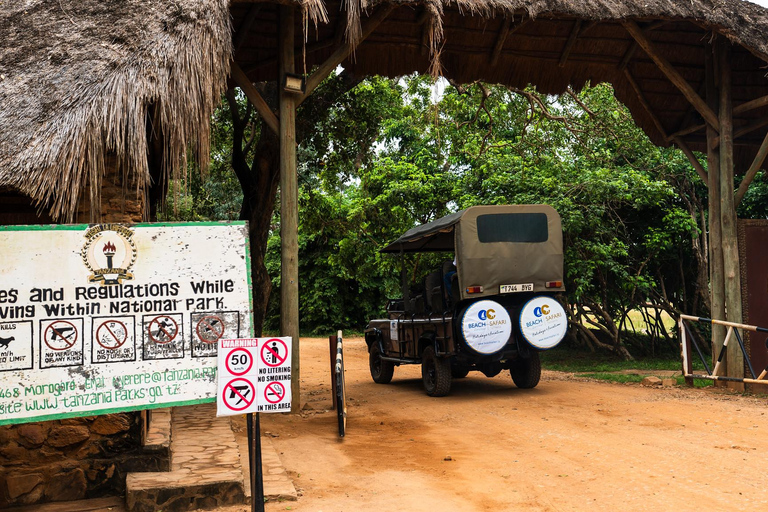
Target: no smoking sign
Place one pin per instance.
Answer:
(254, 375)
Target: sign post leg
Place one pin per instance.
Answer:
(254, 458)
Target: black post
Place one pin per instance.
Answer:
(254, 458)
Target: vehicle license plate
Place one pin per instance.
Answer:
(515, 288)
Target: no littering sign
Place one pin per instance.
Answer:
(254, 375)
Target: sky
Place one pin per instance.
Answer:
(764, 3)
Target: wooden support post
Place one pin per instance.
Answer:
(289, 204)
(735, 361)
(244, 83)
(671, 73)
(750, 174)
(716, 284)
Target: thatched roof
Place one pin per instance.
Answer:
(83, 79)
(80, 79)
(549, 43)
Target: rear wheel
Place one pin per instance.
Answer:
(436, 373)
(526, 372)
(381, 371)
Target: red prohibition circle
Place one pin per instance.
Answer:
(56, 333)
(214, 325)
(266, 350)
(111, 334)
(235, 392)
(250, 362)
(162, 330)
(270, 388)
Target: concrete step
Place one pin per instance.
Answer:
(205, 467)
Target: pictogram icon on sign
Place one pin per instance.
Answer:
(210, 329)
(274, 352)
(111, 334)
(239, 361)
(239, 394)
(60, 335)
(274, 392)
(163, 329)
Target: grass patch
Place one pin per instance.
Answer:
(565, 359)
(613, 377)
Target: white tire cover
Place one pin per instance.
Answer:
(543, 322)
(486, 326)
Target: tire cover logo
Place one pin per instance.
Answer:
(109, 253)
(486, 326)
(543, 322)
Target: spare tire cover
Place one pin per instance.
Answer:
(543, 322)
(486, 326)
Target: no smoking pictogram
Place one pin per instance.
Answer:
(239, 394)
(274, 352)
(274, 392)
(111, 334)
(163, 329)
(210, 329)
(239, 361)
(60, 335)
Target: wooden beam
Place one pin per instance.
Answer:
(692, 158)
(756, 125)
(256, 99)
(500, 40)
(757, 163)
(289, 203)
(633, 47)
(750, 105)
(569, 43)
(672, 74)
(344, 50)
(507, 29)
(686, 131)
(645, 103)
(245, 26)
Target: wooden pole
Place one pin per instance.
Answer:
(716, 282)
(735, 361)
(289, 205)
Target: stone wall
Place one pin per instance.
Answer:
(120, 200)
(75, 458)
(71, 459)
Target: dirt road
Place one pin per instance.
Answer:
(565, 445)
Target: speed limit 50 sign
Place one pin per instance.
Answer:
(254, 375)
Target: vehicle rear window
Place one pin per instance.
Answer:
(512, 227)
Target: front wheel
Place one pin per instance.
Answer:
(381, 371)
(526, 372)
(436, 373)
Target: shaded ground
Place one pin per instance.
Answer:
(566, 445)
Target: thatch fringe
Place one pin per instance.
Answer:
(171, 57)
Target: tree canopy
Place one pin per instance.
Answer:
(379, 156)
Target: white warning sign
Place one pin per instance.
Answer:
(254, 375)
(16, 352)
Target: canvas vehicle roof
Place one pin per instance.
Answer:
(490, 262)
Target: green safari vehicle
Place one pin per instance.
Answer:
(492, 308)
